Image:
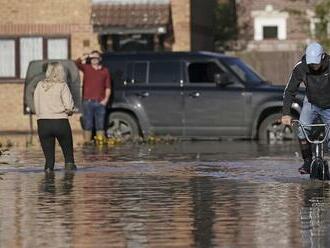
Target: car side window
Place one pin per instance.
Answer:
(137, 73)
(203, 72)
(164, 72)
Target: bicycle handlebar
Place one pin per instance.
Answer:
(326, 128)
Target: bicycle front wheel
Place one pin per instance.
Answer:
(319, 170)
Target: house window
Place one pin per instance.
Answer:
(270, 32)
(57, 48)
(25, 49)
(270, 24)
(7, 58)
(30, 49)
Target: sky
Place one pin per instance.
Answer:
(131, 1)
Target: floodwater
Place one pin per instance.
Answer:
(184, 194)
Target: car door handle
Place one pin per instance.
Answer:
(143, 94)
(194, 94)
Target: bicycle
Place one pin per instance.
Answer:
(319, 168)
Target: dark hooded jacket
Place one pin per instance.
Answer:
(317, 84)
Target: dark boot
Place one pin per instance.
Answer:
(306, 152)
(70, 166)
(49, 168)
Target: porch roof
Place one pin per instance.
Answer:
(125, 18)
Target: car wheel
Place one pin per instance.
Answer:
(122, 125)
(271, 129)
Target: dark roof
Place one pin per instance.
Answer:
(130, 15)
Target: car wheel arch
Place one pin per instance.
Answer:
(265, 114)
(128, 112)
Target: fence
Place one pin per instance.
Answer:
(275, 67)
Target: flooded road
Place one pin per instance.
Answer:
(185, 194)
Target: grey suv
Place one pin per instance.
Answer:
(199, 95)
(191, 95)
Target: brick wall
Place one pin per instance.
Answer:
(180, 10)
(45, 12)
(47, 17)
(297, 24)
(42, 18)
(63, 17)
(11, 114)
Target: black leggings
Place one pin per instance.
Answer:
(48, 130)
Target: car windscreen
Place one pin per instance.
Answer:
(242, 70)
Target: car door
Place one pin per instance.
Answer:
(213, 110)
(158, 94)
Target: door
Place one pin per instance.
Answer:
(158, 95)
(210, 109)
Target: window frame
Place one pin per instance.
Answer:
(270, 17)
(238, 83)
(129, 81)
(178, 83)
(17, 58)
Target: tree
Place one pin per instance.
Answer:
(322, 13)
(225, 25)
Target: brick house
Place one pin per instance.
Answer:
(65, 29)
(274, 33)
(275, 25)
(156, 25)
(36, 30)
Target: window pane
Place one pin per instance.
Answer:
(7, 58)
(165, 72)
(242, 70)
(270, 32)
(30, 49)
(203, 72)
(57, 48)
(140, 73)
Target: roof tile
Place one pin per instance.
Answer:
(130, 15)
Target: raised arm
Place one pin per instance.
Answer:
(81, 62)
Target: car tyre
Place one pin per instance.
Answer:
(122, 125)
(271, 130)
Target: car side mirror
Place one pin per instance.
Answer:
(222, 79)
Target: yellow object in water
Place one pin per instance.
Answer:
(100, 139)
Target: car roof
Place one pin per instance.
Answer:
(162, 55)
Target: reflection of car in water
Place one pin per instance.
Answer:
(198, 94)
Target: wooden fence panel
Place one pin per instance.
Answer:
(275, 67)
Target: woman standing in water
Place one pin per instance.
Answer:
(53, 104)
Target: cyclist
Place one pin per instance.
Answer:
(312, 70)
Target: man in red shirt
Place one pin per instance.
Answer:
(96, 93)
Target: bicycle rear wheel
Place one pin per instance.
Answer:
(319, 170)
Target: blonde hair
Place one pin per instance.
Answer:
(54, 74)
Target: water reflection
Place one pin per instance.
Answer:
(315, 215)
(94, 209)
(189, 194)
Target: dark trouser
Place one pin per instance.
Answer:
(48, 130)
(93, 112)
